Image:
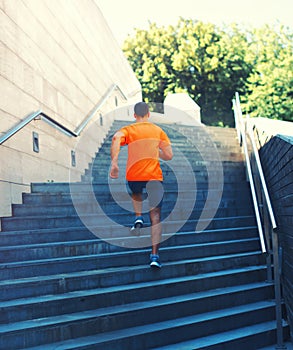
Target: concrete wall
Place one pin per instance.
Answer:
(175, 116)
(59, 57)
(277, 159)
(179, 108)
(266, 128)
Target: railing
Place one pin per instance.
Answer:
(265, 218)
(43, 116)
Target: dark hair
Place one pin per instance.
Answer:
(141, 109)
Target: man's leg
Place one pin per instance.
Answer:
(137, 207)
(137, 203)
(156, 229)
(155, 192)
(136, 188)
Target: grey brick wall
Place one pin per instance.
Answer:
(277, 160)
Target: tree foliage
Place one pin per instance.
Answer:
(270, 85)
(211, 63)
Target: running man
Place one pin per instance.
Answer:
(147, 143)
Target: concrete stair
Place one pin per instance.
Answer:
(62, 287)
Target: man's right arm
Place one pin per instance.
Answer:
(115, 149)
(166, 152)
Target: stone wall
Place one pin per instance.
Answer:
(277, 160)
(59, 57)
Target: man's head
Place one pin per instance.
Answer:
(141, 109)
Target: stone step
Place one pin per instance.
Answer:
(126, 274)
(287, 345)
(201, 182)
(204, 154)
(101, 186)
(65, 198)
(122, 197)
(84, 283)
(127, 314)
(200, 164)
(174, 167)
(181, 133)
(249, 337)
(192, 147)
(11, 238)
(171, 169)
(152, 335)
(96, 247)
(64, 206)
(68, 209)
(96, 221)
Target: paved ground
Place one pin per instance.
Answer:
(289, 346)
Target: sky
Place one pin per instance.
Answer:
(125, 15)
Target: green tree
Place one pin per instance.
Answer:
(150, 55)
(270, 86)
(196, 62)
(211, 64)
(234, 69)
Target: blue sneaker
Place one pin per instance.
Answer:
(138, 224)
(155, 261)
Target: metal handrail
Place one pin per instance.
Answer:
(43, 116)
(242, 135)
(242, 132)
(262, 178)
(271, 234)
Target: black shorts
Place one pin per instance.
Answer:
(154, 189)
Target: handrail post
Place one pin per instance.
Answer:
(278, 294)
(269, 257)
(236, 119)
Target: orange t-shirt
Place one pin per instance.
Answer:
(144, 140)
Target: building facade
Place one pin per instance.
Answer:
(60, 58)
